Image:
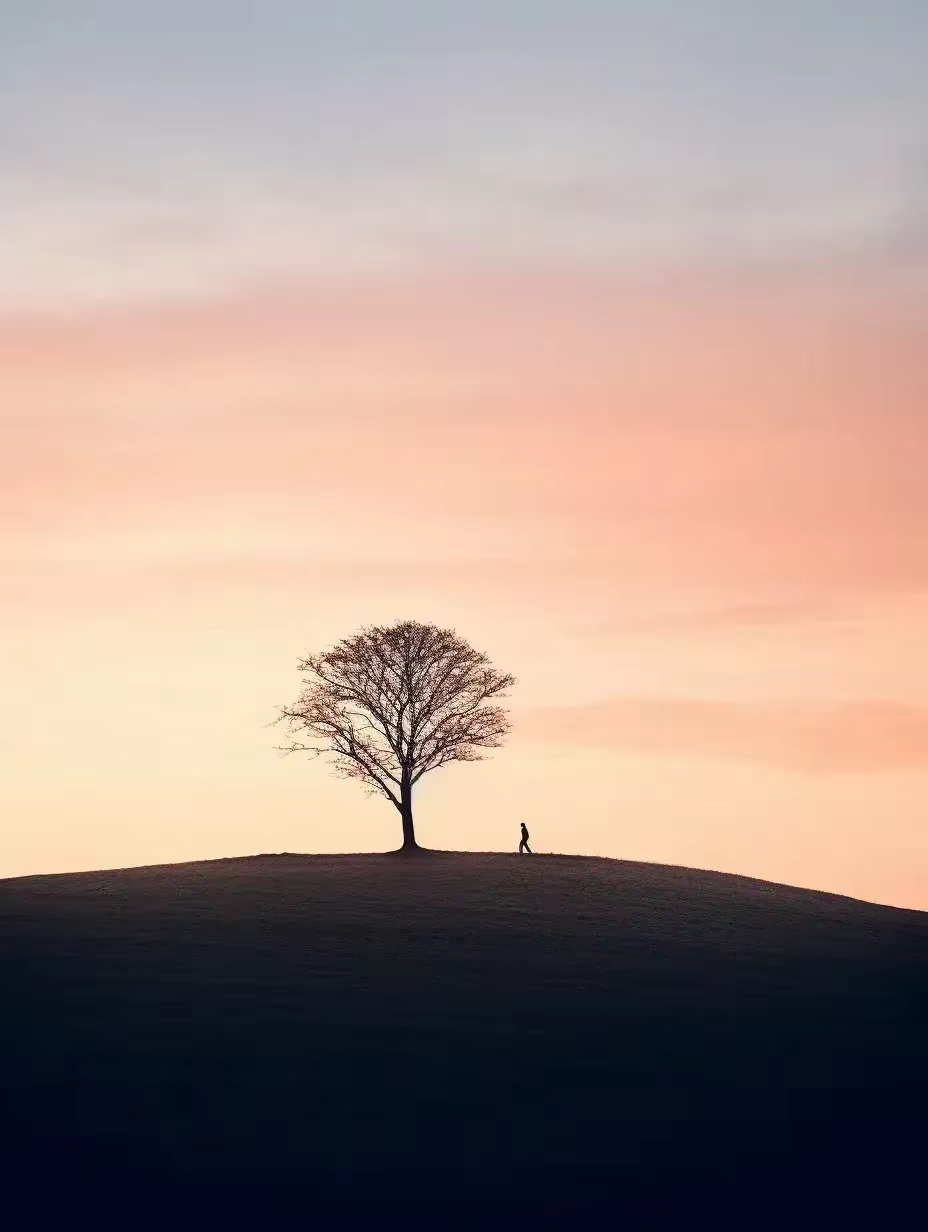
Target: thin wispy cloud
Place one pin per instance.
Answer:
(857, 737)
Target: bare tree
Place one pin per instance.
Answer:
(390, 704)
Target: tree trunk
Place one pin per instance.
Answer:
(409, 833)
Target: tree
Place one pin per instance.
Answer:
(390, 704)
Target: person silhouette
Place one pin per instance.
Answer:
(523, 845)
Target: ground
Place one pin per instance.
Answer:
(457, 1033)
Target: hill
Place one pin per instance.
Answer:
(460, 1032)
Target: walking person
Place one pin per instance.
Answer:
(523, 845)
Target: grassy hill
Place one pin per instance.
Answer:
(371, 1033)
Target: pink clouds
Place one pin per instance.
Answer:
(843, 737)
(673, 439)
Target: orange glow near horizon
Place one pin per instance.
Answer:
(689, 516)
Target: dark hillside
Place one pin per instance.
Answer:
(368, 1033)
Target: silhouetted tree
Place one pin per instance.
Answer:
(390, 704)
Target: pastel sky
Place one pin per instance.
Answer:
(595, 330)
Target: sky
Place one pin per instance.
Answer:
(595, 331)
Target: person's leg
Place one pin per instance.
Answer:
(521, 846)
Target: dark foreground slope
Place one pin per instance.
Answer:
(512, 1034)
